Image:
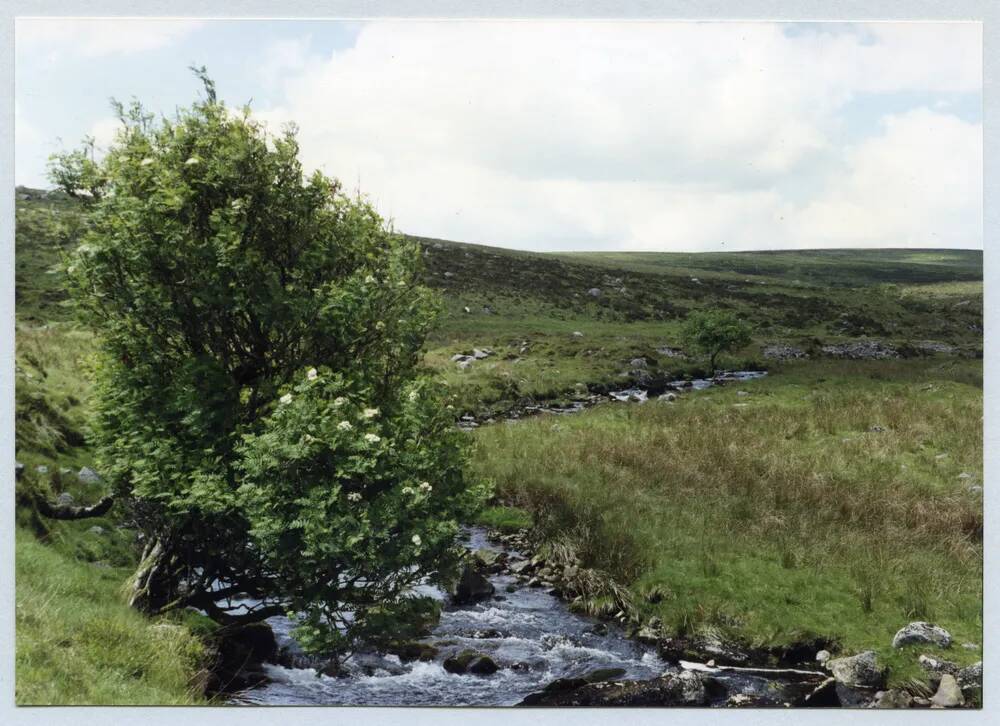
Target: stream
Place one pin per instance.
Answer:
(530, 634)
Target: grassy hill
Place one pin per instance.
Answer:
(838, 498)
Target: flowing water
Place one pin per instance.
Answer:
(530, 634)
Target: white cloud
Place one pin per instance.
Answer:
(91, 37)
(646, 135)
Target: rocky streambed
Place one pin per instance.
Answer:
(666, 390)
(513, 634)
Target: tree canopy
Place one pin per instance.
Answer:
(261, 408)
(713, 332)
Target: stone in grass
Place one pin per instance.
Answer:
(88, 476)
(922, 633)
(96, 529)
(858, 671)
(949, 694)
(65, 499)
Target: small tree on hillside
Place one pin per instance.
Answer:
(260, 410)
(713, 332)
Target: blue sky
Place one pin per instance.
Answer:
(569, 135)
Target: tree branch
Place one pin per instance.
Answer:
(68, 511)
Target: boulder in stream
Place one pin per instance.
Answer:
(672, 689)
(470, 661)
(472, 586)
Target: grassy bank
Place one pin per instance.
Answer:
(828, 499)
(79, 643)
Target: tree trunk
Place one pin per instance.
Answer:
(150, 588)
(68, 511)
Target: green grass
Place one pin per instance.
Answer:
(79, 643)
(776, 514)
(504, 519)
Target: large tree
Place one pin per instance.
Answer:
(261, 411)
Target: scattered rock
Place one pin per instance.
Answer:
(480, 353)
(823, 656)
(65, 498)
(669, 397)
(471, 587)
(858, 671)
(861, 350)
(933, 346)
(577, 334)
(638, 363)
(778, 351)
(893, 698)
(876, 429)
(970, 646)
(595, 292)
(88, 476)
(42, 469)
(949, 694)
(671, 352)
(96, 529)
(934, 665)
(971, 676)
(922, 633)
(965, 475)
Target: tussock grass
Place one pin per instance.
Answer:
(778, 514)
(79, 643)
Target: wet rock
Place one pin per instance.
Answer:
(471, 587)
(683, 689)
(949, 694)
(923, 634)
(858, 671)
(470, 661)
(240, 651)
(600, 629)
(893, 698)
(823, 696)
(86, 475)
(520, 567)
(412, 650)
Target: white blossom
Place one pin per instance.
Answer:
(312, 374)
(407, 490)
(192, 161)
(345, 426)
(416, 540)
(146, 162)
(369, 280)
(287, 398)
(354, 497)
(372, 438)
(413, 395)
(426, 487)
(339, 401)
(370, 413)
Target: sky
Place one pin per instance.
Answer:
(567, 135)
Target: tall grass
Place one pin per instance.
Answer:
(79, 643)
(827, 501)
